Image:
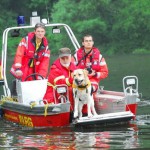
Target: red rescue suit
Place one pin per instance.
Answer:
(29, 60)
(59, 75)
(93, 60)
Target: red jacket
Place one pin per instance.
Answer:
(94, 60)
(59, 75)
(27, 54)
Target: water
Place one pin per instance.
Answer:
(135, 135)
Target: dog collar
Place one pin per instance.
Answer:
(82, 87)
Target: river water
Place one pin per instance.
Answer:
(135, 135)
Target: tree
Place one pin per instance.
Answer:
(117, 26)
(131, 27)
(84, 17)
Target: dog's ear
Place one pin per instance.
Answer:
(85, 72)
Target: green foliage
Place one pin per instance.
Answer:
(13, 43)
(131, 27)
(118, 26)
(84, 19)
(141, 51)
(59, 40)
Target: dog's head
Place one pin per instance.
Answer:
(80, 77)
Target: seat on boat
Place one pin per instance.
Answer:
(106, 103)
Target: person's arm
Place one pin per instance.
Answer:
(20, 53)
(103, 71)
(48, 97)
(16, 67)
(55, 77)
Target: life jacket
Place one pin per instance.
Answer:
(58, 76)
(30, 59)
(30, 52)
(94, 59)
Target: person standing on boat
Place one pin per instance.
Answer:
(32, 55)
(89, 57)
(60, 73)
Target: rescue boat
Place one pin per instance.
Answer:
(28, 109)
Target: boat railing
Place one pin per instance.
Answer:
(130, 85)
(69, 32)
(130, 93)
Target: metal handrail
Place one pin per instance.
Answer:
(4, 48)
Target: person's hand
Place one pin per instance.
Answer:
(40, 78)
(45, 101)
(19, 73)
(93, 73)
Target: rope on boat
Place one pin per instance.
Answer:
(32, 104)
(2, 101)
(6, 98)
(46, 107)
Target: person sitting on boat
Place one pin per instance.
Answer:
(60, 73)
(89, 57)
(32, 55)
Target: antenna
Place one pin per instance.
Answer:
(47, 12)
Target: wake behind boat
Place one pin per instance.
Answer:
(28, 109)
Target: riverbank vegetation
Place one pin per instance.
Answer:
(118, 26)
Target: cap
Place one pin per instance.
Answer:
(64, 52)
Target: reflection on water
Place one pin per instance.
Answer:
(124, 136)
(70, 138)
(114, 137)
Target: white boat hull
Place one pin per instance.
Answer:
(105, 118)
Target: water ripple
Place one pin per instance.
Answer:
(124, 136)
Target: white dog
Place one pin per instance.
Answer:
(82, 92)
